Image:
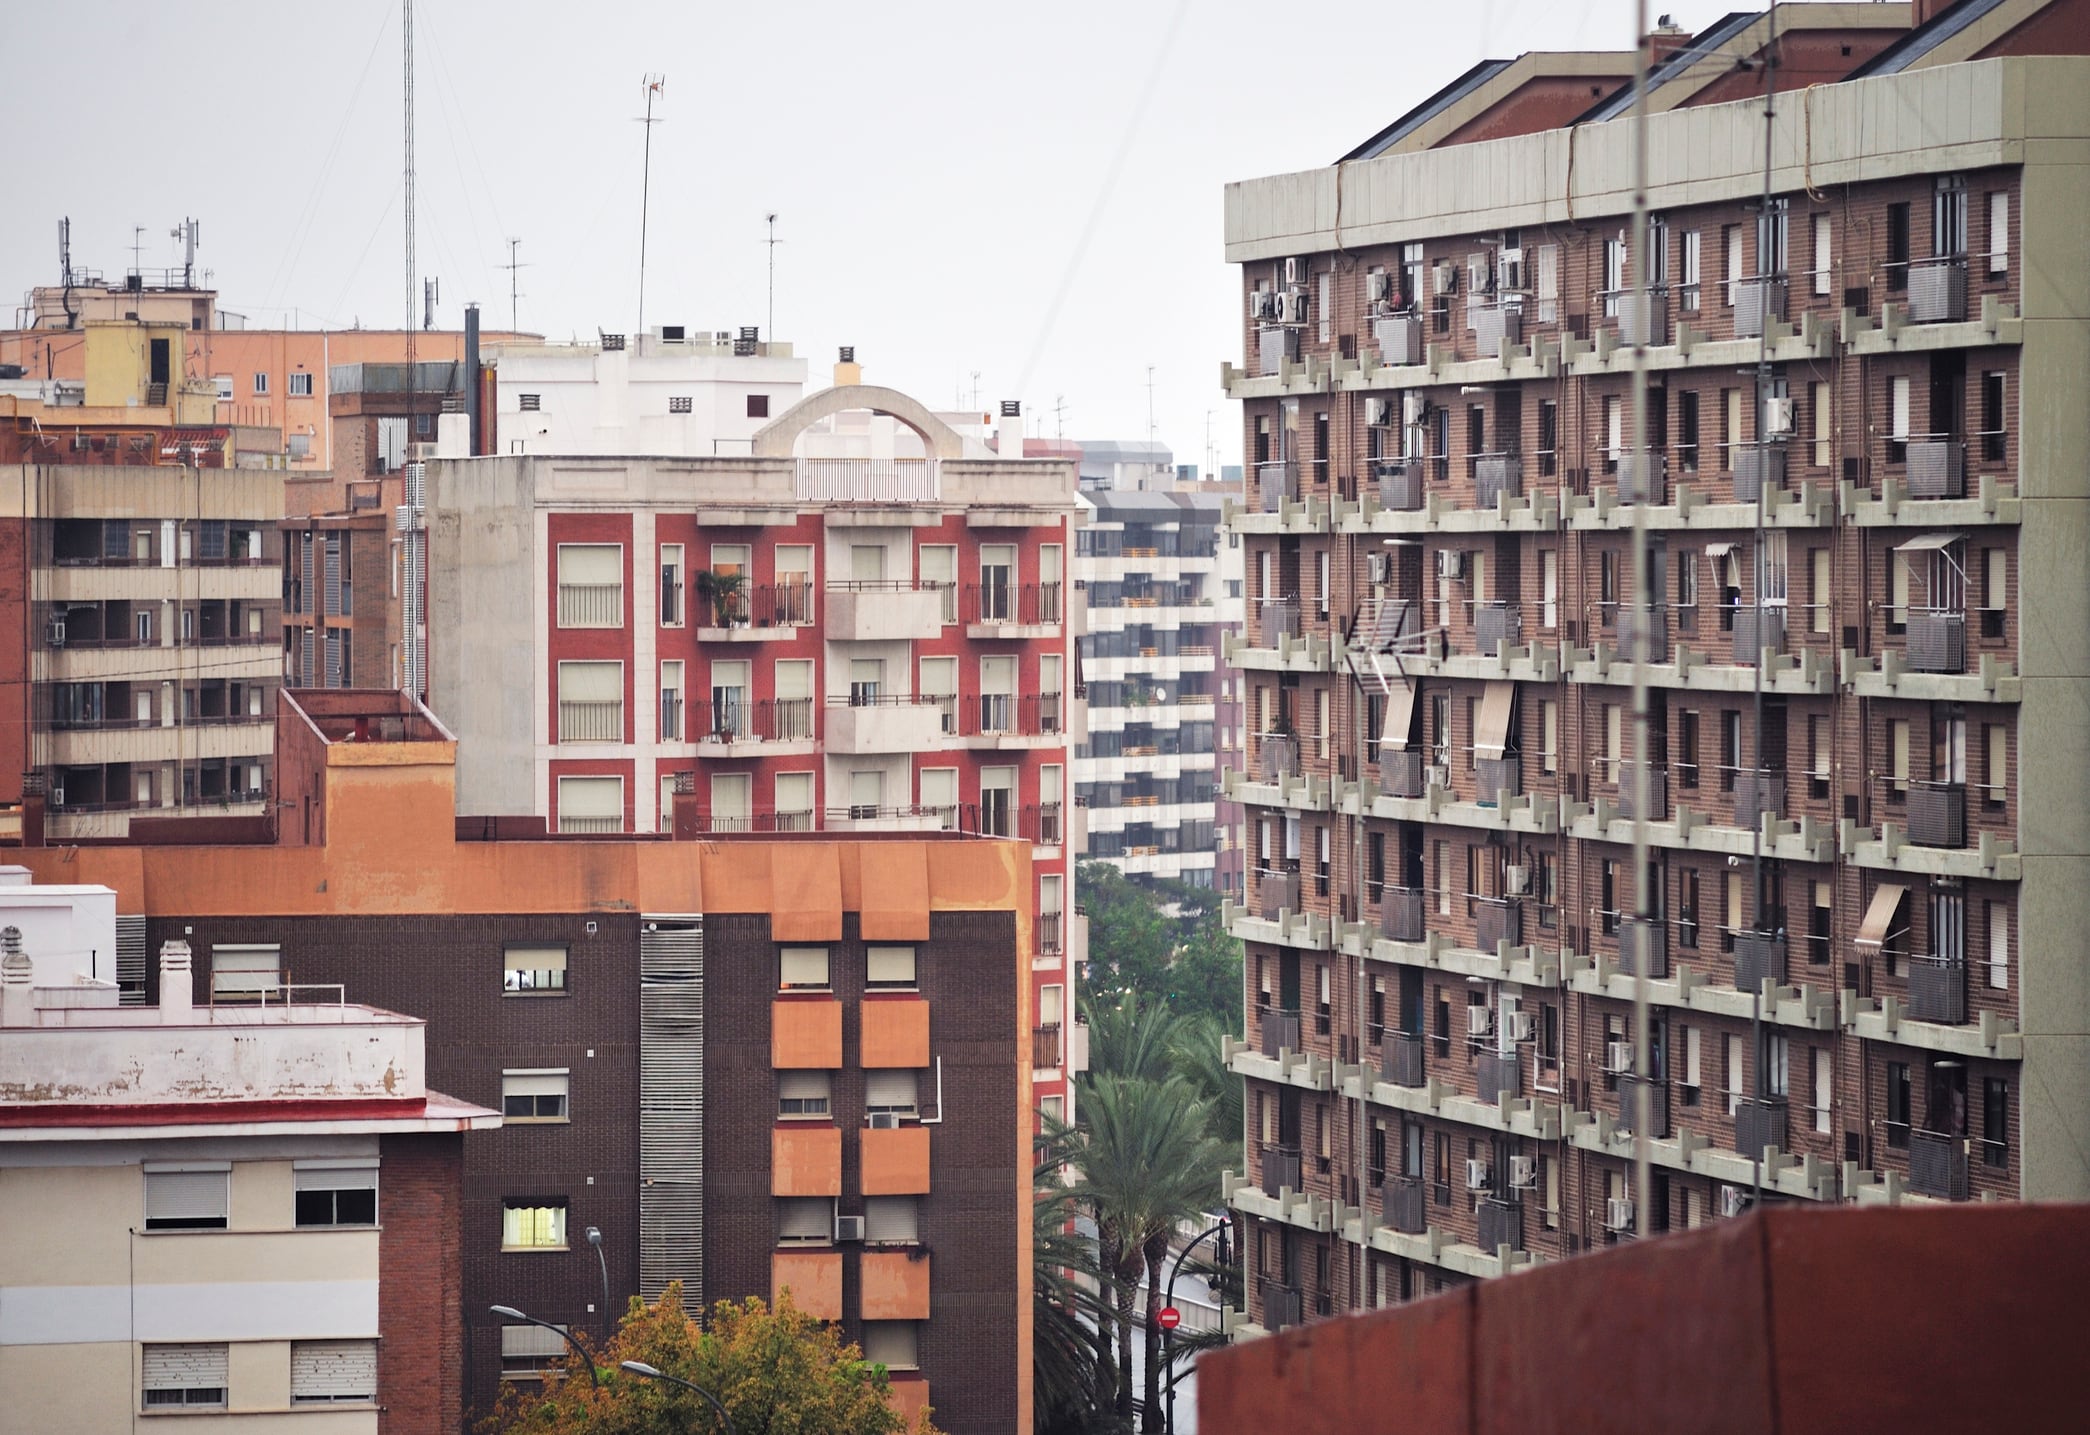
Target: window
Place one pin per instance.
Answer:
(1898, 758)
(1995, 1122)
(301, 386)
(332, 1372)
(224, 383)
(1948, 216)
(890, 1343)
(671, 610)
(528, 403)
(1823, 414)
(336, 1193)
(186, 1376)
(1898, 419)
(804, 1095)
(591, 702)
(245, 971)
(1690, 274)
(529, 1352)
(1731, 248)
(591, 585)
(1897, 265)
(533, 1225)
(1687, 908)
(534, 970)
(1730, 428)
(1549, 736)
(679, 403)
(805, 1221)
(1824, 1087)
(1687, 430)
(802, 969)
(890, 1093)
(261, 384)
(1898, 1104)
(190, 1196)
(591, 804)
(671, 701)
(939, 570)
(1734, 1073)
(1998, 232)
(758, 406)
(1993, 438)
(889, 968)
(1694, 1063)
(1548, 438)
(534, 1095)
(1823, 228)
(1999, 945)
(1777, 1070)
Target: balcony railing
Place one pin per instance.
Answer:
(1759, 957)
(1045, 1046)
(1399, 337)
(1051, 937)
(1937, 467)
(1938, 814)
(1937, 641)
(591, 721)
(1759, 468)
(1496, 922)
(1758, 792)
(1938, 290)
(1759, 1122)
(1938, 1165)
(1498, 778)
(1642, 314)
(591, 605)
(1281, 1307)
(1643, 947)
(1496, 475)
(1501, 1224)
(1276, 891)
(1757, 629)
(1278, 757)
(1277, 619)
(1497, 324)
(1400, 484)
(1045, 823)
(1400, 772)
(1657, 1107)
(1277, 483)
(1756, 300)
(1402, 1059)
(1280, 1032)
(1629, 792)
(1027, 605)
(1495, 624)
(1403, 1205)
(1938, 990)
(1498, 1074)
(1400, 914)
(1280, 1169)
(1643, 477)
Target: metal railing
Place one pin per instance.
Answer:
(1403, 1205)
(1277, 756)
(1277, 891)
(1938, 290)
(1938, 814)
(1938, 989)
(1051, 942)
(1401, 484)
(1938, 1165)
(1757, 627)
(1045, 1046)
(1937, 641)
(1758, 792)
(1496, 921)
(1936, 465)
(1280, 1169)
(1761, 1121)
(1759, 468)
(591, 605)
(1759, 957)
(1629, 1107)
(1401, 1059)
(1277, 483)
(1496, 475)
(1401, 772)
(1498, 1074)
(1029, 604)
(1501, 1224)
(1497, 778)
(1643, 477)
(1495, 325)
(1401, 914)
(1276, 620)
(1496, 623)
(1281, 1307)
(1756, 301)
(591, 721)
(1643, 947)
(1629, 792)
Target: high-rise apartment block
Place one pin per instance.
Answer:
(1864, 776)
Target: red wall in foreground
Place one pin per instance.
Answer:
(1788, 1321)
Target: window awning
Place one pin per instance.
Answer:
(1718, 550)
(1400, 716)
(1879, 917)
(1491, 727)
(1929, 542)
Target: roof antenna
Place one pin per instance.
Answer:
(655, 84)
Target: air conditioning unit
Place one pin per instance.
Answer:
(1520, 1025)
(1479, 1020)
(54, 633)
(57, 795)
(1618, 1213)
(1293, 310)
(1436, 777)
(1777, 417)
(883, 1121)
(1262, 304)
(1413, 407)
(1451, 562)
(1375, 567)
(1516, 879)
(1378, 285)
(849, 1228)
(1476, 1174)
(1618, 1059)
(1295, 271)
(1378, 413)
(1523, 1172)
(1733, 1201)
(1444, 277)
(1512, 261)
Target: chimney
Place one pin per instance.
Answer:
(1008, 430)
(177, 996)
(471, 374)
(17, 996)
(1665, 40)
(847, 369)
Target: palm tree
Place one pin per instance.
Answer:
(724, 592)
(1064, 1301)
(1148, 1164)
(1133, 1038)
(1197, 1059)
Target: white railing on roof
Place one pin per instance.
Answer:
(867, 480)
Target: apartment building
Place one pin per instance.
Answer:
(776, 643)
(765, 1061)
(1862, 957)
(1152, 567)
(229, 1211)
(146, 601)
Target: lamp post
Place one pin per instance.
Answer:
(1168, 1337)
(595, 1240)
(649, 1372)
(509, 1312)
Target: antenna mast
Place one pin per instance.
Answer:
(514, 324)
(406, 37)
(772, 241)
(655, 85)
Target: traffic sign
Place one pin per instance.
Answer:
(1169, 1318)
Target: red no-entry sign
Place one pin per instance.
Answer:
(1169, 1318)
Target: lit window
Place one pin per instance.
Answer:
(533, 1226)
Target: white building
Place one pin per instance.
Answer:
(198, 1203)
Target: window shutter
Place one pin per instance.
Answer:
(804, 966)
(890, 1091)
(591, 563)
(891, 1218)
(889, 966)
(531, 1341)
(794, 792)
(335, 1178)
(187, 1195)
(333, 1369)
(547, 1082)
(184, 1367)
(794, 680)
(591, 682)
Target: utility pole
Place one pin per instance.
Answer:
(514, 323)
(655, 84)
(1059, 415)
(772, 241)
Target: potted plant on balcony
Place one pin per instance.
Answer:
(726, 593)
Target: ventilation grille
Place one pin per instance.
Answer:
(671, 1107)
(130, 960)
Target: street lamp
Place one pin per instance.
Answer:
(509, 1312)
(650, 1372)
(1168, 1337)
(595, 1240)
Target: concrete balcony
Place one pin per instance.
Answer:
(903, 724)
(1401, 1059)
(1760, 1122)
(1938, 1165)
(1756, 302)
(1938, 290)
(1497, 476)
(867, 612)
(1501, 1224)
(1938, 814)
(1403, 1204)
(1400, 914)
(1938, 990)
(1307, 653)
(1759, 468)
(1759, 957)
(1937, 468)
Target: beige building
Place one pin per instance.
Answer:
(247, 1210)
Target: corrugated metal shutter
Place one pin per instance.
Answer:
(307, 601)
(184, 1367)
(334, 659)
(333, 562)
(304, 657)
(187, 1195)
(519, 1341)
(130, 960)
(333, 1370)
(671, 1106)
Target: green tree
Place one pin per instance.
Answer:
(1065, 1315)
(1130, 939)
(777, 1372)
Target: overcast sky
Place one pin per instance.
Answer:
(1031, 194)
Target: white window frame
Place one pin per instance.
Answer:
(537, 1085)
(520, 1219)
(805, 1095)
(333, 1372)
(804, 969)
(187, 1195)
(534, 969)
(300, 385)
(202, 1385)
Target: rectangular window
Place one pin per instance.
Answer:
(671, 692)
(534, 1094)
(1995, 1122)
(890, 1343)
(190, 1196)
(1731, 434)
(1687, 908)
(591, 585)
(889, 968)
(1897, 248)
(301, 386)
(336, 1193)
(332, 1372)
(529, 1351)
(1898, 1105)
(531, 1225)
(245, 971)
(806, 1221)
(591, 702)
(758, 406)
(1690, 276)
(1998, 232)
(1999, 945)
(671, 575)
(1824, 1087)
(1549, 736)
(1734, 1073)
(1548, 438)
(802, 969)
(1824, 416)
(1687, 430)
(188, 1377)
(1823, 228)
(1898, 422)
(1993, 439)
(1898, 758)
(1731, 249)
(890, 1093)
(804, 1095)
(261, 384)
(539, 970)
